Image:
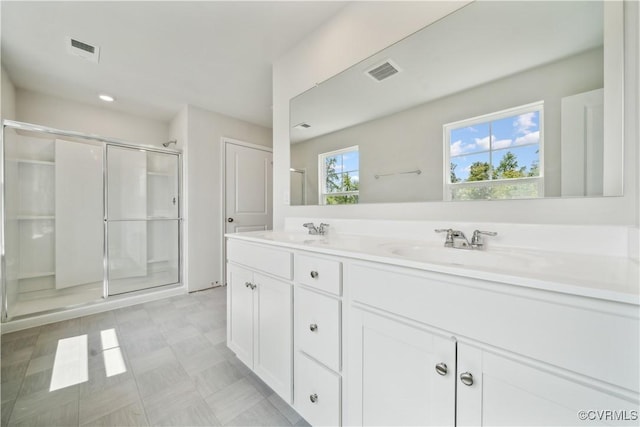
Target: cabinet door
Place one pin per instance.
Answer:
(513, 391)
(240, 313)
(273, 334)
(392, 375)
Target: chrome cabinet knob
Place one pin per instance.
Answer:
(313, 327)
(466, 378)
(253, 286)
(313, 398)
(247, 284)
(441, 369)
(314, 274)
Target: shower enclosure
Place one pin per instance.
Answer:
(85, 218)
(298, 178)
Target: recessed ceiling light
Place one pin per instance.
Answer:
(107, 98)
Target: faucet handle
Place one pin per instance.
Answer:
(322, 228)
(449, 240)
(476, 239)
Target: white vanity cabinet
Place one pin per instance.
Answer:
(260, 312)
(393, 378)
(352, 338)
(507, 389)
(318, 338)
(513, 356)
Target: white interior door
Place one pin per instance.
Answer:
(582, 147)
(249, 188)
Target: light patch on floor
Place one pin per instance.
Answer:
(71, 363)
(113, 360)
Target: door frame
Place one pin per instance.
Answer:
(224, 141)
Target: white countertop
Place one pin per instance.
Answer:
(611, 278)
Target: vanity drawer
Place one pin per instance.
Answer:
(317, 393)
(258, 257)
(320, 273)
(318, 327)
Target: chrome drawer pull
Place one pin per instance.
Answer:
(314, 274)
(313, 327)
(466, 378)
(313, 398)
(441, 369)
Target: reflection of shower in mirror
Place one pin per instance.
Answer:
(168, 143)
(298, 179)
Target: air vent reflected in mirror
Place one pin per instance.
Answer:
(383, 71)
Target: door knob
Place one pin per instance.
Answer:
(314, 274)
(229, 219)
(313, 327)
(313, 398)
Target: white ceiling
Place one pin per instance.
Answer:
(157, 56)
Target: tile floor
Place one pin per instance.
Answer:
(179, 371)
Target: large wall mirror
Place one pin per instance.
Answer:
(498, 100)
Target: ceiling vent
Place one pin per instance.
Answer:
(383, 71)
(83, 49)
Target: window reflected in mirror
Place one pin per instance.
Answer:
(495, 156)
(340, 175)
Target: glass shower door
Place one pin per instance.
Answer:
(143, 225)
(53, 222)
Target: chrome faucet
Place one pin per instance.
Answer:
(476, 239)
(457, 239)
(321, 230)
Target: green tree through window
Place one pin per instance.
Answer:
(495, 156)
(340, 177)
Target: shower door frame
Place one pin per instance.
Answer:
(106, 141)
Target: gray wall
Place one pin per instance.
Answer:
(39, 108)
(8, 96)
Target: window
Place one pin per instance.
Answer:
(495, 156)
(339, 176)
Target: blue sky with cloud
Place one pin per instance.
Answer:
(519, 134)
(347, 162)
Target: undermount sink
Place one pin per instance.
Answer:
(461, 257)
(289, 237)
